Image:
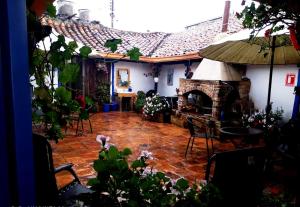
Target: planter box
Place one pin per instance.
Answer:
(157, 118)
(106, 107)
(113, 106)
(160, 118)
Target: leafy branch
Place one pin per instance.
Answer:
(134, 53)
(275, 16)
(52, 105)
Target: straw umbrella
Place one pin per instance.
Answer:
(277, 50)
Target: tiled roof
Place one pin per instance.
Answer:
(195, 37)
(155, 44)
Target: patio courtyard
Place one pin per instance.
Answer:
(166, 141)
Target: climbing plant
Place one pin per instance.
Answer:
(53, 104)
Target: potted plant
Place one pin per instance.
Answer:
(269, 124)
(154, 108)
(103, 95)
(140, 101)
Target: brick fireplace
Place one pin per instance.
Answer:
(217, 91)
(220, 95)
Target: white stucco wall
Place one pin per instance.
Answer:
(179, 69)
(138, 80)
(281, 95)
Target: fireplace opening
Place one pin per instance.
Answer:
(232, 106)
(199, 103)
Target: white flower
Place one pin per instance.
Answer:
(102, 139)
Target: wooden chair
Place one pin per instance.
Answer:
(47, 192)
(238, 175)
(197, 131)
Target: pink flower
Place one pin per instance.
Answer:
(102, 139)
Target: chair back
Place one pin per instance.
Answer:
(190, 125)
(194, 128)
(46, 188)
(238, 175)
(211, 128)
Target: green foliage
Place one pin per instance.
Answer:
(52, 105)
(85, 51)
(112, 44)
(134, 54)
(103, 92)
(276, 16)
(139, 185)
(51, 10)
(140, 101)
(88, 101)
(155, 105)
(69, 73)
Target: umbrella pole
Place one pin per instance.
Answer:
(269, 107)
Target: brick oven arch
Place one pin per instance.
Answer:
(207, 91)
(198, 89)
(216, 90)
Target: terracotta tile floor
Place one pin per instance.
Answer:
(166, 141)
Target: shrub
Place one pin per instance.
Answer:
(140, 101)
(154, 105)
(137, 184)
(103, 92)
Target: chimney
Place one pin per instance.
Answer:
(84, 15)
(226, 16)
(65, 8)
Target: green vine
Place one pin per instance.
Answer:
(52, 104)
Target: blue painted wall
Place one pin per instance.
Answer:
(17, 177)
(297, 99)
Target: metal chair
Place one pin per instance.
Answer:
(47, 191)
(197, 131)
(78, 117)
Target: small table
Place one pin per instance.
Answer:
(246, 135)
(130, 95)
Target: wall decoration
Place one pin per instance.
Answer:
(170, 76)
(123, 78)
